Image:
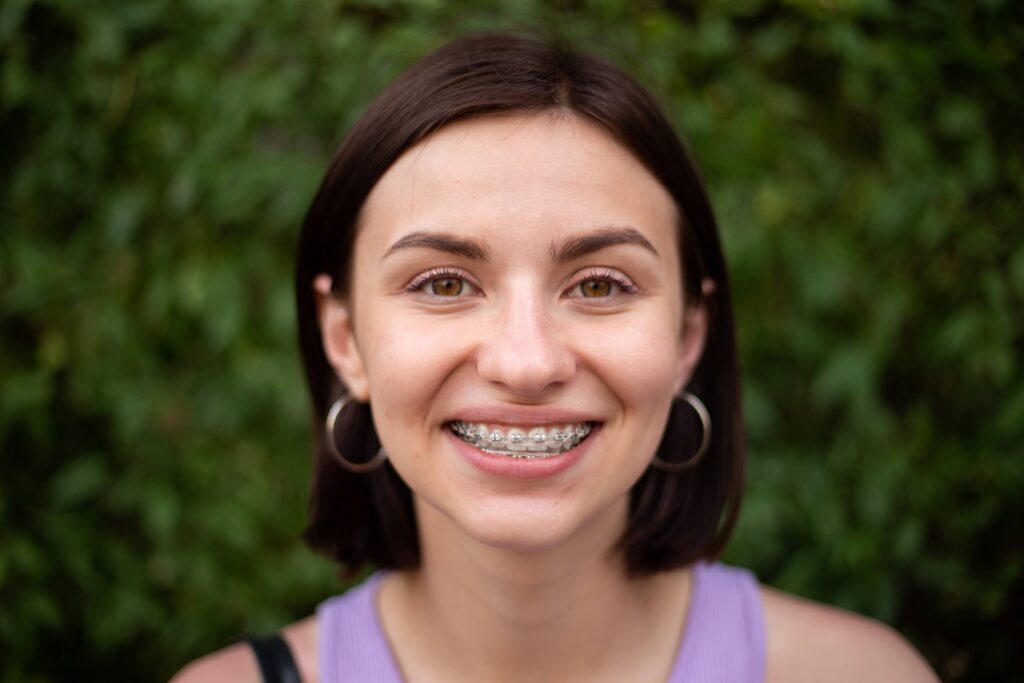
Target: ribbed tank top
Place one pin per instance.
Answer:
(724, 640)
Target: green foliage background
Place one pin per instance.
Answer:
(866, 159)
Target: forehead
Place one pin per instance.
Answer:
(539, 174)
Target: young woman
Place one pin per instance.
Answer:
(515, 320)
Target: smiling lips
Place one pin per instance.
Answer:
(522, 442)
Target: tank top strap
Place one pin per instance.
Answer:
(724, 638)
(351, 644)
(274, 658)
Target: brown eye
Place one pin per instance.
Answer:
(446, 286)
(595, 288)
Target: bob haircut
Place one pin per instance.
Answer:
(675, 518)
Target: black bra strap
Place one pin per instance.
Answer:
(275, 659)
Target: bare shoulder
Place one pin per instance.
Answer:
(238, 664)
(808, 641)
(233, 663)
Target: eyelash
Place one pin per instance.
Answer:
(605, 274)
(438, 274)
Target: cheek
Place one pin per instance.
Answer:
(637, 359)
(638, 365)
(407, 364)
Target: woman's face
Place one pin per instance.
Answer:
(515, 277)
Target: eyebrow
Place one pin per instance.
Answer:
(571, 248)
(441, 241)
(575, 246)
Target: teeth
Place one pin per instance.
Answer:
(516, 441)
(520, 443)
(479, 434)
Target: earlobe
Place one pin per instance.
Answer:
(339, 340)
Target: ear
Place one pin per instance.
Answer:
(339, 339)
(694, 334)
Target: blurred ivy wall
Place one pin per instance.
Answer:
(866, 160)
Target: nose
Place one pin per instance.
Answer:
(524, 349)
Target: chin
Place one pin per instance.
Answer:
(515, 535)
(533, 525)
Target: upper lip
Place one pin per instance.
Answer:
(521, 415)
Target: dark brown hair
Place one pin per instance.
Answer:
(675, 519)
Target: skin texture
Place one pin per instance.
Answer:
(518, 576)
(520, 336)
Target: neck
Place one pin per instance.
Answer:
(567, 612)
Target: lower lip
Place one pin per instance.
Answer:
(522, 468)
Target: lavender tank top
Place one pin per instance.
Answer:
(724, 639)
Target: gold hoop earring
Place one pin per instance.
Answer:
(705, 421)
(357, 467)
